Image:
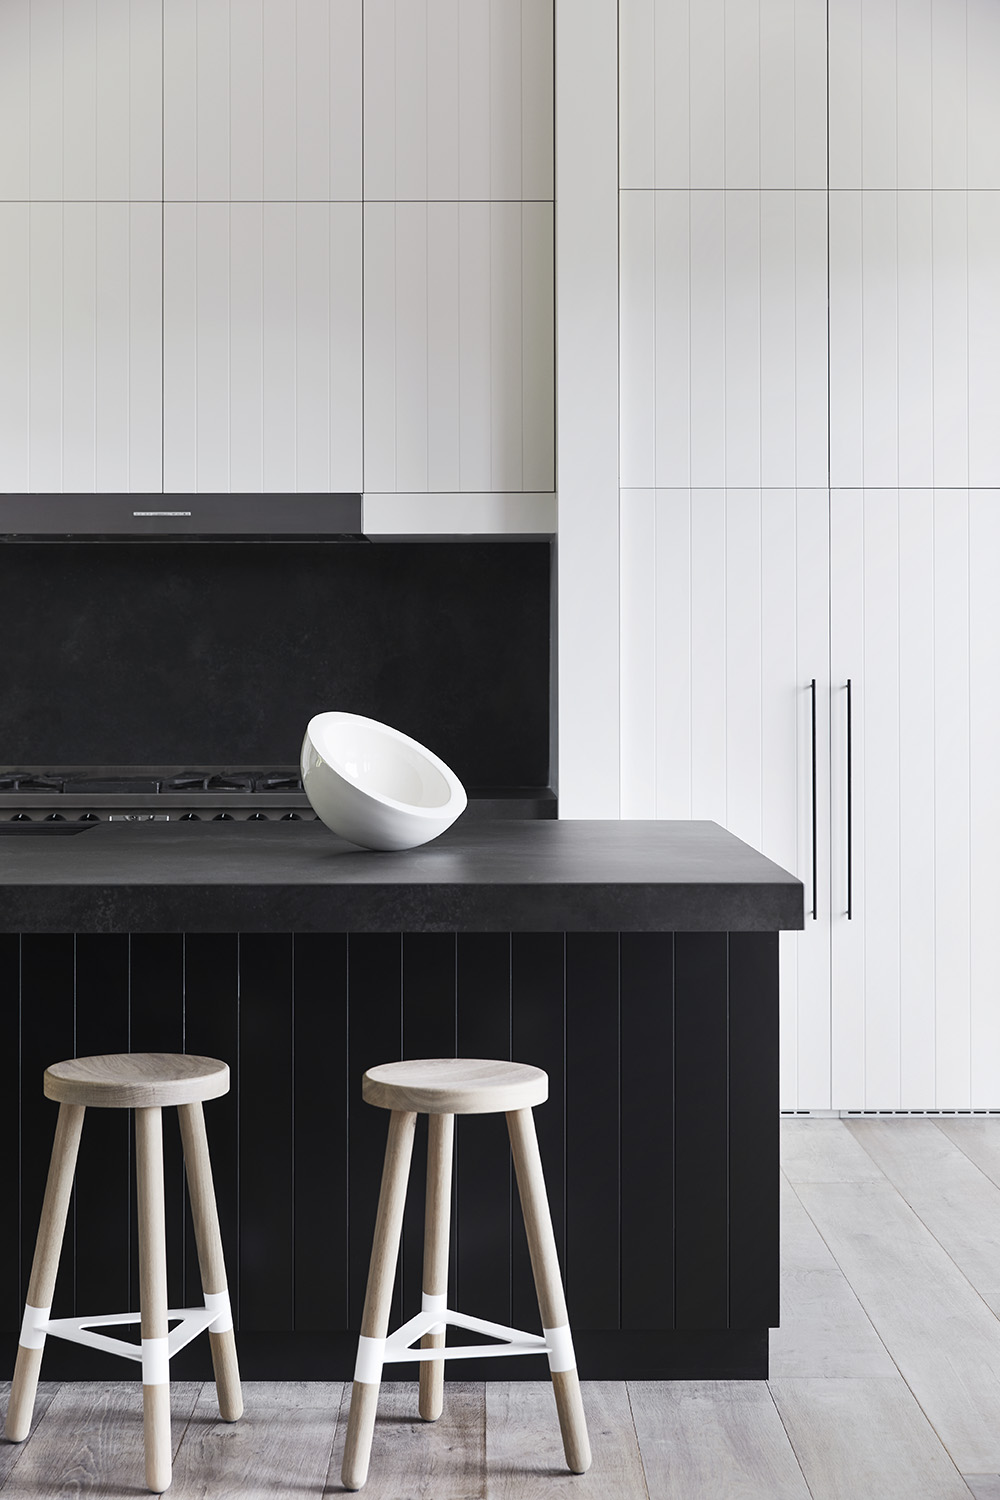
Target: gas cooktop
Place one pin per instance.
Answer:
(150, 794)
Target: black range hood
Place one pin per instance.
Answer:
(197, 518)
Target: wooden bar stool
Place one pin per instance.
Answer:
(443, 1088)
(147, 1082)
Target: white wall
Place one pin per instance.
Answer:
(281, 245)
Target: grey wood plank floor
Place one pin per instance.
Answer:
(885, 1373)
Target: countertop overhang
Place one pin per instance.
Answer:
(568, 876)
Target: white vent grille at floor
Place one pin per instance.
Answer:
(871, 1114)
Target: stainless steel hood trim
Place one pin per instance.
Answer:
(200, 517)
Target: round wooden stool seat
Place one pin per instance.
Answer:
(455, 1086)
(136, 1080)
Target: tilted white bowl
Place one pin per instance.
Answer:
(374, 785)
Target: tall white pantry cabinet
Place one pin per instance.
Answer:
(746, 615)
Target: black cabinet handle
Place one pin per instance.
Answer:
(850, 809)
(812, 689)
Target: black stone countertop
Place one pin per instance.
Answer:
(478, 877)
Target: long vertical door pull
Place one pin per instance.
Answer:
(850, 819)
(815, 912)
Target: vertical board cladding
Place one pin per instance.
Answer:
(659, 1136)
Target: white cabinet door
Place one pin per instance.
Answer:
(725, 624)
(915, 621)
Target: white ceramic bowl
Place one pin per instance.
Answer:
(376, 786)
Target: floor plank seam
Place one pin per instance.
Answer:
(788, 1435)
(635, 1430)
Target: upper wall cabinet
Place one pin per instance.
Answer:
(80, 323)
(458, 99)
(914, 101)
(723, 338)
(914, 338)
(80, 100)
(262, 100)
(717, 94)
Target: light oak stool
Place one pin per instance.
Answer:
(442, 1088)
(147, 1082)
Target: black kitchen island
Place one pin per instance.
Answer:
(636, 962)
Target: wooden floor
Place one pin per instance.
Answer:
(885, 1374)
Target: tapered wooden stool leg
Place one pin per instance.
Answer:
(437, 1225)
(205, 1213)
(51, 1228)
(153, 1297)
(548, 1284)
(375, 1319)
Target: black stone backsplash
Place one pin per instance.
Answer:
(217, 653)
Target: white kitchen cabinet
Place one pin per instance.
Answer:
(725, 620)
(915, 621)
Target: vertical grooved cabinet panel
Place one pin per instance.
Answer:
(707, 349)
(212, 1029)
(742, 365)
(722, 636)
(483, 1169)
(723, 309)
(15, 76)
(847, 646)
(45, 333)
(984, 756)
(951, 319)
(375, 1003)
(754, 1174)
(952, 796)
(319, 1123)
(915, 732)
(262, 362)
(983, 133)
(79, 430)
(458, 100)
(266, 1245)
(900, 613)
(716, 95)
(10, 1125)
(156, 1024)
(914, 295)
(805, 956)
(458, 347)
(111, 355)
(45, 100)
(180, 347)
(674, 710)
(637, 392)
(638, 587)
(81, 122)
(105, 1166)
(48, 1035)
(708, 655)
(744, 664)
(246, 101)
(846, 341)
(538, 1036)
(984, 334)
(212, 367)
(429, 1030)
(913, 102)
(15, 339)
(593, 1129)
(261, 101)
(647, 1136)
(701, 1125)
(877, 757)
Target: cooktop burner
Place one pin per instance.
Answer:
(149, 784)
